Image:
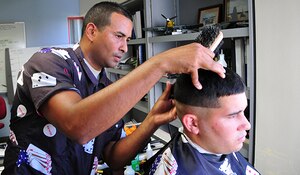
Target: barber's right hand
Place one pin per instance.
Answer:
(163, 110)
(188, 59)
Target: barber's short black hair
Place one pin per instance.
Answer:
(213, 87)
(100, 14)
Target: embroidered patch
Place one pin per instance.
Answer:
(95, 166)
(251, 171)
(45, 50)
(20, 78)
(49, 130)
(154, 166)
(42, 80)
(89, 147)
(164, 164)
(21, 111)
(39, 159)
(226, 168)
(78, 71)
(61, 53)
(22, 158)
(12, 137)
(66, 71)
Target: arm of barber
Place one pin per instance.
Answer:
(118, 154)
(83, 119)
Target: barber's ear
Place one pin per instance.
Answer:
(190, 122)
(91, 31)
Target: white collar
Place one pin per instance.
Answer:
(75, 46)
(186, 139)
(94, 71)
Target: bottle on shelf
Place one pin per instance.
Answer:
(149, 151)
(129, 170)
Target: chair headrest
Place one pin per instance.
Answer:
(2, 108)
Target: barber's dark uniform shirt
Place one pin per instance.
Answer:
(38, 147)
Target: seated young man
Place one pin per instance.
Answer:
(214, 128)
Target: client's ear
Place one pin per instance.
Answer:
(190, 122)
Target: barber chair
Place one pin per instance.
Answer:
(2, 116)
(2, 111)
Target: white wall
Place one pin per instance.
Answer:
(45, 21)
(278, 87)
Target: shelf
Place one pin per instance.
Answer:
(124, 72)
(177, 123)
(236, 32)
(117, 71)
(137, 41)
(228, 33)
(244, 151)
(142, 106)
(163, 135)
(132, 5)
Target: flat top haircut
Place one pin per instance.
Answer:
(101, 12)
(214, 87)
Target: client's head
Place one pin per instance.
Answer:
(213, 117)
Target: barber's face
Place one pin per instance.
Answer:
(223, 130)
(110, 44)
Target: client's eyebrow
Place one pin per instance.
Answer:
(235, 113)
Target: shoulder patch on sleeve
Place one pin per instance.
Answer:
(42, 79)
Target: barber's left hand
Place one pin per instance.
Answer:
(163, 110)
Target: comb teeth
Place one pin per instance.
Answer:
(210, 36)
